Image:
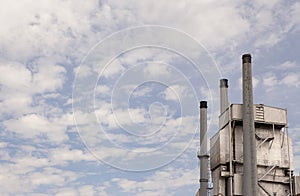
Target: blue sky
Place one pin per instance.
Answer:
(101, 97)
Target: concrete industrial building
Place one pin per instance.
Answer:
(251, 154)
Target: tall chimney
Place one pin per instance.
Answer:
(249, 144)
(223, 95)
(203, 156)
(224, 105)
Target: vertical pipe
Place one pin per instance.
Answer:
(249, 143)
(223, 95)
(290, 170)
(224, 104)
(203, 149)
(288, 145)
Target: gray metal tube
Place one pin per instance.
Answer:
(203, 149)
(224, 104)
(223, 95)
(249, 144)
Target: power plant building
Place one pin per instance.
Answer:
(274, 152)
(251, 154)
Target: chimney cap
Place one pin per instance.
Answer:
(246, 58)
(203, 104)
(224, 83)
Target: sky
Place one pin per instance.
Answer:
(102, 97)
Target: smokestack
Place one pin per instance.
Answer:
(224, 104)
(223, 95)
(249, 144)
(203, 149)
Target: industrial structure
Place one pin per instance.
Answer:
(251, 154)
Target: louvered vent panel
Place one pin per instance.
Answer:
(259, 113)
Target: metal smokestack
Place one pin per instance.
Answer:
(203, 156)
(249, 144)
(224, 105)
(223, 95)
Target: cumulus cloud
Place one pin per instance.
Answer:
(270, 80)
(33, 126)
(19, 84)
(177, 92)
(275, 81)
(288, 65)
(164, 182)
(157, 69)
(38, 172)
(45, 28)
(291, 79)
(113, 68)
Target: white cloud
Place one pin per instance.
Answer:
(163, 182)
(14, 180)
(266, 3)
(209, 30)
(157, 69)
(255, 82)
(133, 57)
(61, 156)
(84, 70)
(295, 20)
(142, 91)
(288, 65)
(15, 76)
(103, 90)
(48, 77)
(115, 117)
(167, 143)
(19, 85)
(270, 27)
(44, 28)
(291, 79)
(88, 190)
(33, 126)
(270, 80)
(66, 192)
(12, 184)
(264, 19)
(15, 87)
(42, 179)
(174, 92)
(112, 69)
